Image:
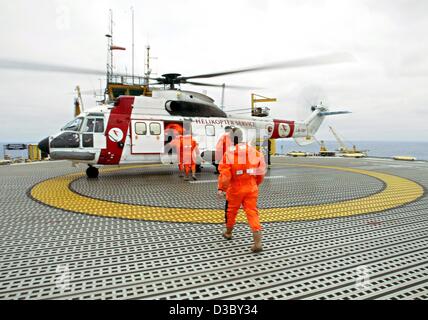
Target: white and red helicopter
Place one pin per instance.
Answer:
(135, 129)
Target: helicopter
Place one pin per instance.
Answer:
(136, 129)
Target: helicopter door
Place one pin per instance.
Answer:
(147, 136)
(93, 133)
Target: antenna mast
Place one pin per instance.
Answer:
(133, 46)
(109, 51)
(147, 66)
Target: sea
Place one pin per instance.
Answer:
(14, 154)
(383, 149)
(386, 149)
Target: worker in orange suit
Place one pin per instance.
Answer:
(189, 155)
(223, 144)
(172, 130)
(242, 170)
(176, 144)
(173, 137)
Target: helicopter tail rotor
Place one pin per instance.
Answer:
(309, 98)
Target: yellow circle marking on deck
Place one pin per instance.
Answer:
(399, 191)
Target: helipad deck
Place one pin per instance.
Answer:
(333, 229)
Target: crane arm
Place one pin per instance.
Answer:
(339, 140)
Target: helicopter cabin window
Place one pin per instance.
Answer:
(73, 125)
(155, 128)
(140, 128)
(210, 130)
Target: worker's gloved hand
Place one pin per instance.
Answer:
(221, 195)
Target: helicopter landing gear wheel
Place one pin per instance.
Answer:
(92, 172)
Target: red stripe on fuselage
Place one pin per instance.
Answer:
(120, 117)
(276, 134)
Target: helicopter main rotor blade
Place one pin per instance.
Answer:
(46, 67)
(228, 86)
(333, 58)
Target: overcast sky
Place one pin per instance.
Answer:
(385, 88)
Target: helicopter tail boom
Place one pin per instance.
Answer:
(313, 123)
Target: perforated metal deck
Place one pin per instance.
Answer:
(50, 253)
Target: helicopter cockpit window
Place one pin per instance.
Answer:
(94, 125)
(73, 125)
(99, 126)
(89, 127)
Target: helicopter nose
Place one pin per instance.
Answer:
(44, 145)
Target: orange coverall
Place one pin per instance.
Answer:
(190, 150)
(187, 149)
(176, 144)
(172, 131)
(242, 170)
